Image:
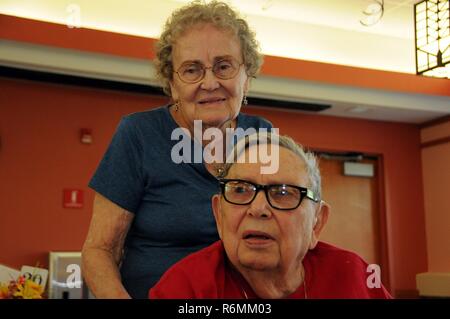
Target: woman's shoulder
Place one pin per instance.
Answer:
(160, 113)
(152, 122)
(247, 121)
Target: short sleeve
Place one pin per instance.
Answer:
(120, 176)
(266, 123)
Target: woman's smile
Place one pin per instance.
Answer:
(212, 102)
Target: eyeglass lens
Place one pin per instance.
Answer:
(195, 71)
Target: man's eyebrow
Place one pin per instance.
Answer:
(243, 178)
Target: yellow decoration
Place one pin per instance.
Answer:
(21, 289)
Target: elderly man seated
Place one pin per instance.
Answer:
(269, 225)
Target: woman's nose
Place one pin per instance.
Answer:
(260, 208)
(210, 81)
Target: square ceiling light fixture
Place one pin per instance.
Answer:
(432, 25)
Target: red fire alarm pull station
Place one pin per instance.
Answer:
(72, 198)
(86, 136)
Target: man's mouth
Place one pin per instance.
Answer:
(253, 236)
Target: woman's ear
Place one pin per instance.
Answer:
(217, 210)
(173, 91)
(246, 85)
(320, 220)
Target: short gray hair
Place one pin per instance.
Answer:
(287, 142)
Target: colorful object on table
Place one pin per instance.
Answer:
(21, 289)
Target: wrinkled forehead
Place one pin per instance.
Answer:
(196, 36)
(291, 168)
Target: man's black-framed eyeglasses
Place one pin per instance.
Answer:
(279, 196)
(193, 72)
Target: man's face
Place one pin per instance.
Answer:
(259, 237)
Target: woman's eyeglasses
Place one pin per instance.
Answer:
(193, 72)
(279, 196)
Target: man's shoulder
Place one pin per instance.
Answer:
(340, 273)
(203, 263)
(194, 276)
(203, 259)
(328, 254)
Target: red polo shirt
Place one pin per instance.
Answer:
(330, 273)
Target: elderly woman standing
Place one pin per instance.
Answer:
(269, 225)
(150, 210)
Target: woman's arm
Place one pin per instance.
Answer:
(103, 248)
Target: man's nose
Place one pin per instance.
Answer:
(210, 81)
(260, 207)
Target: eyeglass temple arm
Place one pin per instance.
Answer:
(310, 194)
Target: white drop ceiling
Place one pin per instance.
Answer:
(317, 30)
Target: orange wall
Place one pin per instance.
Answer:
(57, 35)
(436, 181)
(41, 154)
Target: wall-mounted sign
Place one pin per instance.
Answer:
(72, 198)
(358, 169)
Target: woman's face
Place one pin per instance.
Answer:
(212, 100)
(257, 236)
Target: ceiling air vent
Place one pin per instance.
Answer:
(290, 105)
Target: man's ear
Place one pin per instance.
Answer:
(217, 210)
(320, 219)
